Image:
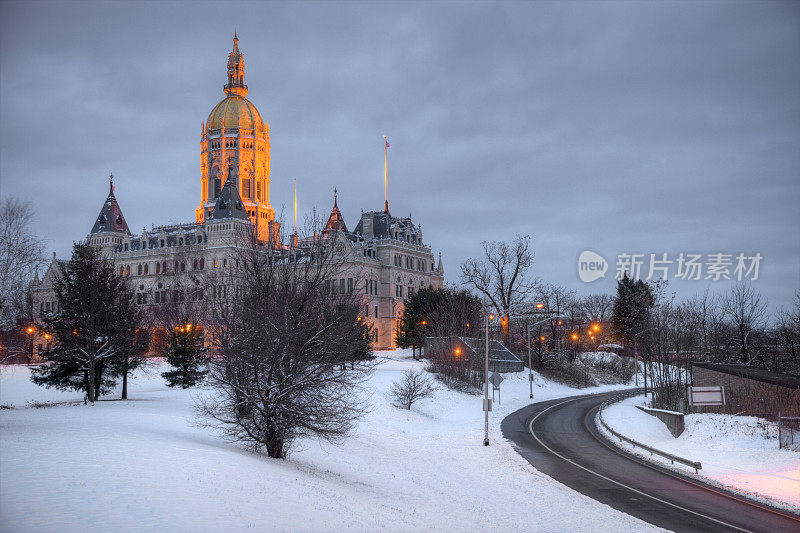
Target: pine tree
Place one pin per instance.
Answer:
(95, 314)
(413, 324)
(631, 312)
(185, 352)
(131, 348)
(446, 312)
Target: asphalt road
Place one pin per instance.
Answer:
(559, 438)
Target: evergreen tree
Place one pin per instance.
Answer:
(631, 312)
(432, 312)
(95, 314)
(414, 322)
(185, 352)
(131, 348)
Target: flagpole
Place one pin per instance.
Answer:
(295, 206)
(386, 173)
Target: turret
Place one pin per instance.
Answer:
(110, 227)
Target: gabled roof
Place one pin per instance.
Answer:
(335, 221)
(110, 218)
(229, 203)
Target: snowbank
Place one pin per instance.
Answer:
(141, 465)
(739, 453)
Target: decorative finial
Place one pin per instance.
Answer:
(111, 184)
(335, 198)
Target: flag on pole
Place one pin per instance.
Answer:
(386, 174)
(295, 205)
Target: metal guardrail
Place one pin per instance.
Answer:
(673, 458)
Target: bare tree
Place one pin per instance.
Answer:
(787, 326)
(21, 253)
(501, 275)
(556, 301)
(744, 309)
(282, 338)
(413, 386)
(597, 307)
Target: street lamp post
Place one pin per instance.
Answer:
(486, 376)
(30, 350)
(530, 367)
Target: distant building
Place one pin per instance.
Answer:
(750, 390)
(385, 257)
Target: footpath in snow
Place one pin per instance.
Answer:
(142, 465)
(738, 453)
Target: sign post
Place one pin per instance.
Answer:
(496, 379)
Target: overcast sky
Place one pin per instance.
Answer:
(616, 127)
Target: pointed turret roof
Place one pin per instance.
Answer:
(335, 221)
(229, 203)
(110, 218)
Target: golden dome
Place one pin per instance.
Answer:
(235, 112)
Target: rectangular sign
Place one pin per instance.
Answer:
(707, 395)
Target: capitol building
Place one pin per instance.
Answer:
(384, 258)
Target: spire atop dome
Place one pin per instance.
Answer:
(235, 85)
(111, 184)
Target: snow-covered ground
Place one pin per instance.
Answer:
(141, 465)
(739, 453)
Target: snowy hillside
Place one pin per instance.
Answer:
(739, 453)
(141, 465)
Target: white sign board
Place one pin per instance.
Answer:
(707, 395)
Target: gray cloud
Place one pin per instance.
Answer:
(658, 127)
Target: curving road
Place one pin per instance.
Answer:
(559, 438)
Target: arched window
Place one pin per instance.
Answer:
(128, 270)
(122, 271)
(194, 264)
(180, 241)
(139, 269)
(202, 263)
(162, 243)
(183, 266)
(158, 268)
(176, 266)
(146, 265)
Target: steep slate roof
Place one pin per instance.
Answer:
(335, 221)
(791, 381)
(381, 225)
(229, 203)
(110, 218)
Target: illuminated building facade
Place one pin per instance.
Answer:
(384, 258)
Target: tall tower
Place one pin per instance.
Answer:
(234, 142)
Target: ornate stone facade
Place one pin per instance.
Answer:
(384, 258)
